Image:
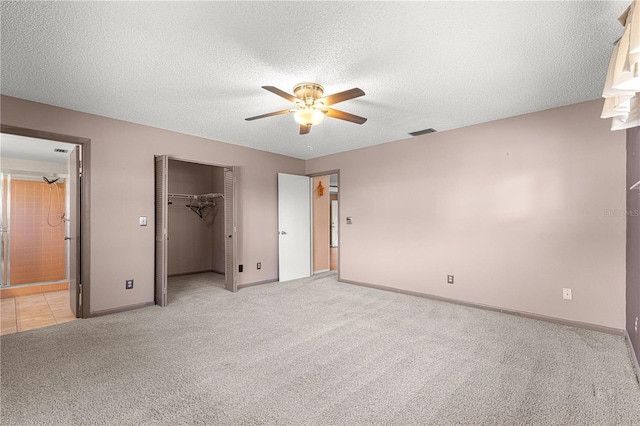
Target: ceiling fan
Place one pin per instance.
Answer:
(311, 106)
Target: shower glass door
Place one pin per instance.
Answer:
(32, 226)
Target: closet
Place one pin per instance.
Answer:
(195, 219)
(195, 226)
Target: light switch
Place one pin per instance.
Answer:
(143, 221)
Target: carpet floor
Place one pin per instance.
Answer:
(313, 351)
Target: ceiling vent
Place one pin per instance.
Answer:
(422, 132)
(61, 151)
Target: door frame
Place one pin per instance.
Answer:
(72, 229)
(315, 174)
(234, 256)
(85, 206)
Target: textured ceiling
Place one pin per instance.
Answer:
(197, 67)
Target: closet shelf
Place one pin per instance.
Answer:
(635, 186)
(198, 203)
(200, 197)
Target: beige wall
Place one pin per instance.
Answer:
(122, 189)
(321, 224)
(633, 239)
(515, 209)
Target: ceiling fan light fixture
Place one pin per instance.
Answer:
(312, 105)
(308, 116)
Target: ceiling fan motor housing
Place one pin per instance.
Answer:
(309, 93)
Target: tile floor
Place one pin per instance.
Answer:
(34, 311)
(27, 290)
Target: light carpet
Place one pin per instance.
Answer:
(313, 351)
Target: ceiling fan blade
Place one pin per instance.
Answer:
(334, 113)
(342, 96)
(281, 93)
(271, 114)
(304, 129)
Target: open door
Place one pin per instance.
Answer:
(294, 224)
(161, 219)
(230, 229)
(73, 232)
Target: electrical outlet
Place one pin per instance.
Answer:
(566, 294)
(143, 221)
(449, 279)
(240, 268)
(128, 284)
(259, 265)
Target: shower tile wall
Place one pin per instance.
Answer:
(38, 251)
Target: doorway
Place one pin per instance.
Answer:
(195, 227)
(308, 226)
(335, 222)
(40, 184)
(325, 223)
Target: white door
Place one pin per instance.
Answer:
(334, 223)
(294, 224)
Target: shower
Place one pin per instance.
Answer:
(38, 245)
(33, 249)
(61, 215)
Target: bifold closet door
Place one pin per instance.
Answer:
(73, 233)
(230, 229)
(161, 222)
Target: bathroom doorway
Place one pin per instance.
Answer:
(39, 229)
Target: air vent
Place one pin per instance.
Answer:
(61, 151)
(422, 132)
